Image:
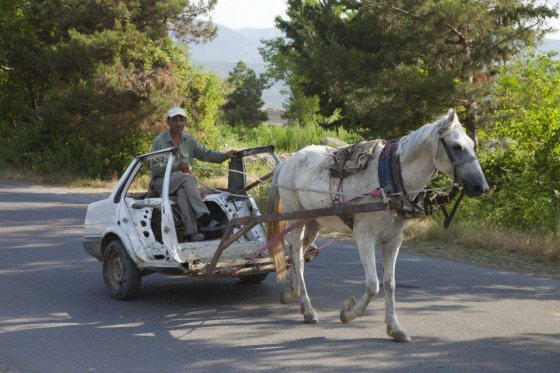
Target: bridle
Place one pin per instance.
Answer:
(429, 199)
(441, 138)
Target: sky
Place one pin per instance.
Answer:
(238, 14)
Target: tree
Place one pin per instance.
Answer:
(390, 66)
(521, 158)
(299, 107)
(244, 102)
(94, 79)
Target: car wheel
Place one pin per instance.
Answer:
(253, 279)
(120, 274)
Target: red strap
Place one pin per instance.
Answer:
(276, 239)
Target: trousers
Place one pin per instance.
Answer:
(189, 200)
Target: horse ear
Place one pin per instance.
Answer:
(447, 120)
(450, 116)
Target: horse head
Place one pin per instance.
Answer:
(456, 157)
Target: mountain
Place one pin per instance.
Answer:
(231, 46)
(549, 45)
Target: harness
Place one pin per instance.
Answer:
(391, 183)
(346, 161)
(449, 216)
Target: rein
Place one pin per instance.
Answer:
(392, 186)
(392, 179)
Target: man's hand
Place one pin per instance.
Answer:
(231, 153)
(185, 168)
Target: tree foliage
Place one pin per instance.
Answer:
(391, 66)
(300, 108)
(521, 157)
(244, 102)
(94, 79)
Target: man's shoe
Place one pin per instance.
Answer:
(195, 237)
(214, 225)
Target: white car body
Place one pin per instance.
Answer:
(130, 220)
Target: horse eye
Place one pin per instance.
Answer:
(457, 147)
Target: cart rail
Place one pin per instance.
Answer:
(246, 223)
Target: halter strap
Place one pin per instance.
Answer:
(454, 163)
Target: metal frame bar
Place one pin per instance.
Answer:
(246, 223)
(250, 186)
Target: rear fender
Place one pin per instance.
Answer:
(116, 233)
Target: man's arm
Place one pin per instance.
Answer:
(204, 154)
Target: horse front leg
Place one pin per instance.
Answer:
(352, 309)
(390, 251)
(298, 281)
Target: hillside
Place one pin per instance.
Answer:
(550, 45)
(232, 46)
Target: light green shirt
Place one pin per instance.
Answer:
(189, 149)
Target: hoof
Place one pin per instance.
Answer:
(401, 337)
(346, 308)
(343, 318)
(311, 318)
(288, 296)
(398, 335)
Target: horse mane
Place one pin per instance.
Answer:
(424, 136)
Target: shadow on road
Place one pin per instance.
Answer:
(54, 301)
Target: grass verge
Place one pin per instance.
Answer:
(479, 244)
(57, 179)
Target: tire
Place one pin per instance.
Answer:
(122, 277)
(253, 279)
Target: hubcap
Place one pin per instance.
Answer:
(115, 271)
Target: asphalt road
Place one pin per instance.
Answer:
(56, 316)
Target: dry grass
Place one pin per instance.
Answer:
(522, 252)
(58, 179)
(217, 182)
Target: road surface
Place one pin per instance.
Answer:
(56, 316)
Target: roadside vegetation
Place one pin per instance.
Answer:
(84, 88)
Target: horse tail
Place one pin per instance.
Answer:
(273, 228)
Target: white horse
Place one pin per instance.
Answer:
(298, 183)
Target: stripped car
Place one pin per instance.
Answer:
(135, 234)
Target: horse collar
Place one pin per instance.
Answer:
(386, 169)
(390, 176)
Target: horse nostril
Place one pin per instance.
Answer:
(478, 189)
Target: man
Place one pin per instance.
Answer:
(182, 181)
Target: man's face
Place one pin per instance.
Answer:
(176, 124)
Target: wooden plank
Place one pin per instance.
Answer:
(251, 221)
(230, 263)
(227, 240)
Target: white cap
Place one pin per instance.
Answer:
(176, 111)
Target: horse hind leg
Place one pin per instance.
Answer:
(295, 240)
(292, 291)
(390, 251)
(353, 309)
(310, 235)
(311, 231)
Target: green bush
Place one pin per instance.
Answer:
(521, 154)
(289, 138)
(95, 85)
